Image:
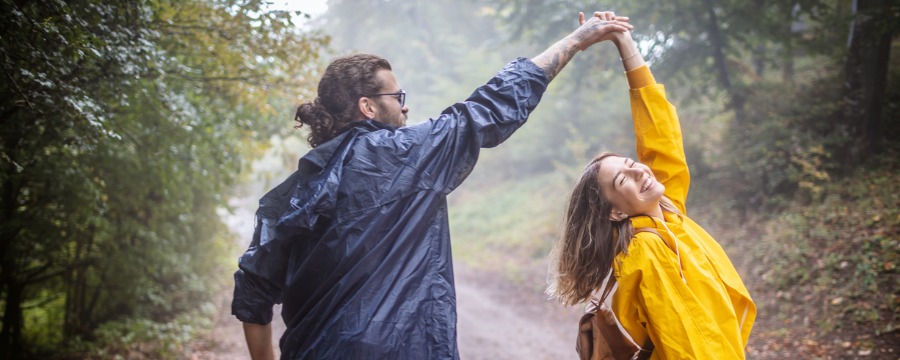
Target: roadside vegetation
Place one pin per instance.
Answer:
(127, 125)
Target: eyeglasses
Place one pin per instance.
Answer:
(401, 96)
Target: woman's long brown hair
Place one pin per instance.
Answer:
(590, 241)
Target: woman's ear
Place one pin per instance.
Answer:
(616, 215)
(366, 107)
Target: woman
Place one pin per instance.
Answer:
(676, 286)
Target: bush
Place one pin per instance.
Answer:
(145, 338)
(836, 261)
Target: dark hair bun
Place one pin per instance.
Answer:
(317, 118)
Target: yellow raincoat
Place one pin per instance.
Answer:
(681, 291)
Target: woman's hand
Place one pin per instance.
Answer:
(603, 26)
(628, 50)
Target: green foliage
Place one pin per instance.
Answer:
(838, 259)
(130, 338)
(123, 125)
(787, 153)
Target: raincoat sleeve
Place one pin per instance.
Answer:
(255, 293)
(261, 269)
(653, 300)
(446, 148)
(658, 135)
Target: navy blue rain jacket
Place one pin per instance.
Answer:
(356, 243)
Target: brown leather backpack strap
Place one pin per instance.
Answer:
(646, 350)
(609, 286)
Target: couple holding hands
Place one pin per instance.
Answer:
(356, 242)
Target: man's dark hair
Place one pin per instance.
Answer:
(346, 79)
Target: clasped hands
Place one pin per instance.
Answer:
(603, 26)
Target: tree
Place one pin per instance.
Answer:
(865, 76)
(123, 124)
(50, 117)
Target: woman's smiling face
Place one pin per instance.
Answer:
(630, 186)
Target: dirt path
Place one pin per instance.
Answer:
(226, 342)
(502, 321)
(493, 324)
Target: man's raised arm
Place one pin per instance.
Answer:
(600, 27)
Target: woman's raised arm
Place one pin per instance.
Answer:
(656, 127)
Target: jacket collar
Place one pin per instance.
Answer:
(644, 221)
(317, 159)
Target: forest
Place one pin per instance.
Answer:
(129, 127)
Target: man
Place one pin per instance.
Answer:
(355, 243)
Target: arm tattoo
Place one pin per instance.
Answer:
(582, 32)
(556, 57)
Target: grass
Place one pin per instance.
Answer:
(510, 227)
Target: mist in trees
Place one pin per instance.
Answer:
(778, 94)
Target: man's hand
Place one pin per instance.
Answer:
(611, 27)
(598, 28)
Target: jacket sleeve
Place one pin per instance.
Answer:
(653, 300)
(257, 282)
(261, 269)
(657, 134)
(447, 147)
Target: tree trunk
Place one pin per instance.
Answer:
(75, 285)
(759, 60)
(787, 55)
(865, 78)
(759, 52)
(789, 18)
(787, 65)
(721, 64)
(11, 333)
